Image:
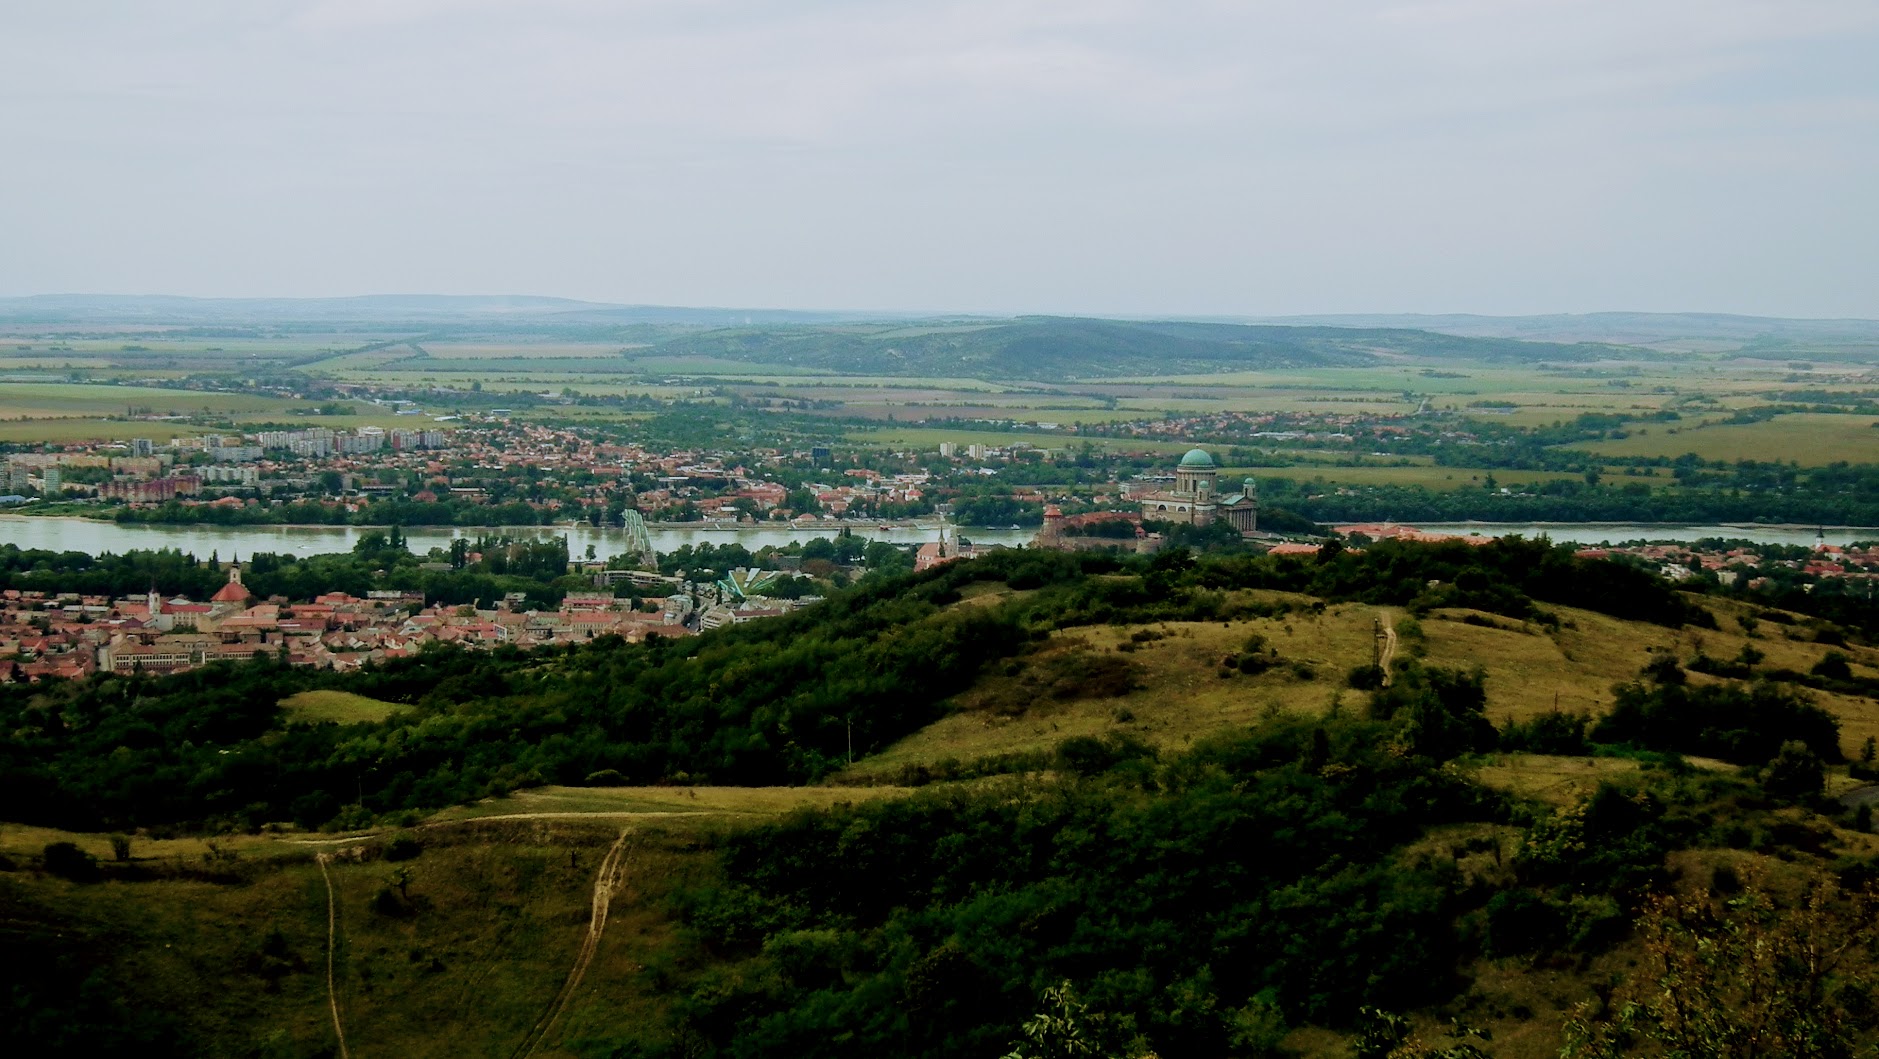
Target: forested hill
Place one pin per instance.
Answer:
(1066, 347)
(774, 702)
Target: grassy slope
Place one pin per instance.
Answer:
(1181, 696)
(340, 707)
(500, 909)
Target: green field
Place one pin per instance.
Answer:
(1438, 478)
(927, 439)
(67, 412)
(39, 400)
(1808, 438)
(340, 707)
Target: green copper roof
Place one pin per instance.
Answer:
(1197, 458)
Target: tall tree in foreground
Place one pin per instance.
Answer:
(1741, 977)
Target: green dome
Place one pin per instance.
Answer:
(1198, 459)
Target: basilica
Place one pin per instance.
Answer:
(1196, 500)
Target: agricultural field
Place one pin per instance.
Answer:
(927, 439)
(70, 412)
(1441, 479)
(1807, 438)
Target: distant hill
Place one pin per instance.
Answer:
(1032, 347)
(384, 309)
(1070, 347)
(1668, 331)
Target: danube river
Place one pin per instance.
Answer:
(86, 535)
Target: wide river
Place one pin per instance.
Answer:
(86, 535)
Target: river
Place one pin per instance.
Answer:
(86, 535)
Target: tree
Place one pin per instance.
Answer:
(1066, 1029)
(1796, 772)
(1738, 978)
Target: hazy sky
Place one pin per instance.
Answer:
(1163, 157)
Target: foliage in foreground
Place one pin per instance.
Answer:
(1198, 904)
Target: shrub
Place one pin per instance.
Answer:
(67, 861)
(1833, 667)
(1550, 733)
(1795, 772)
(1365, 678)
(1746, 725)
(1088, 755)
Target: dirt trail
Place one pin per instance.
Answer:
(332, 933)
(568, 814)
(606, 881)
(1389, 647)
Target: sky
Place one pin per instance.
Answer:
(1164, 157)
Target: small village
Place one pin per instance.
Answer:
(68, 635)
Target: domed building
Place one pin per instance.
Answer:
(1196, 500)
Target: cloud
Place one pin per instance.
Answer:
(1383, 154)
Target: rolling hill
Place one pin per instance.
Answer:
(1057, 348)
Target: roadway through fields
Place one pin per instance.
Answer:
(332, 933)
(612, 873)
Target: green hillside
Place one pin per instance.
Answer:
(1171, 804)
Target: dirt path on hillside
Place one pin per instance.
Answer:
(612, 873)
(1389, 647)
(332, 934)
(565, 814)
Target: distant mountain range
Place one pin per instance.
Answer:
(383, 309)
(1669, 331)
(1031, 347)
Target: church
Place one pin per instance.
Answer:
(1196, 500)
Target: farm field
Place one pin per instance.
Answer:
(1437, 478)
(35, 400)
(927, 438)
(1808, 438)
(66, 412)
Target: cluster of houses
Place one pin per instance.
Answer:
(1747, 565)
(70, 635)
